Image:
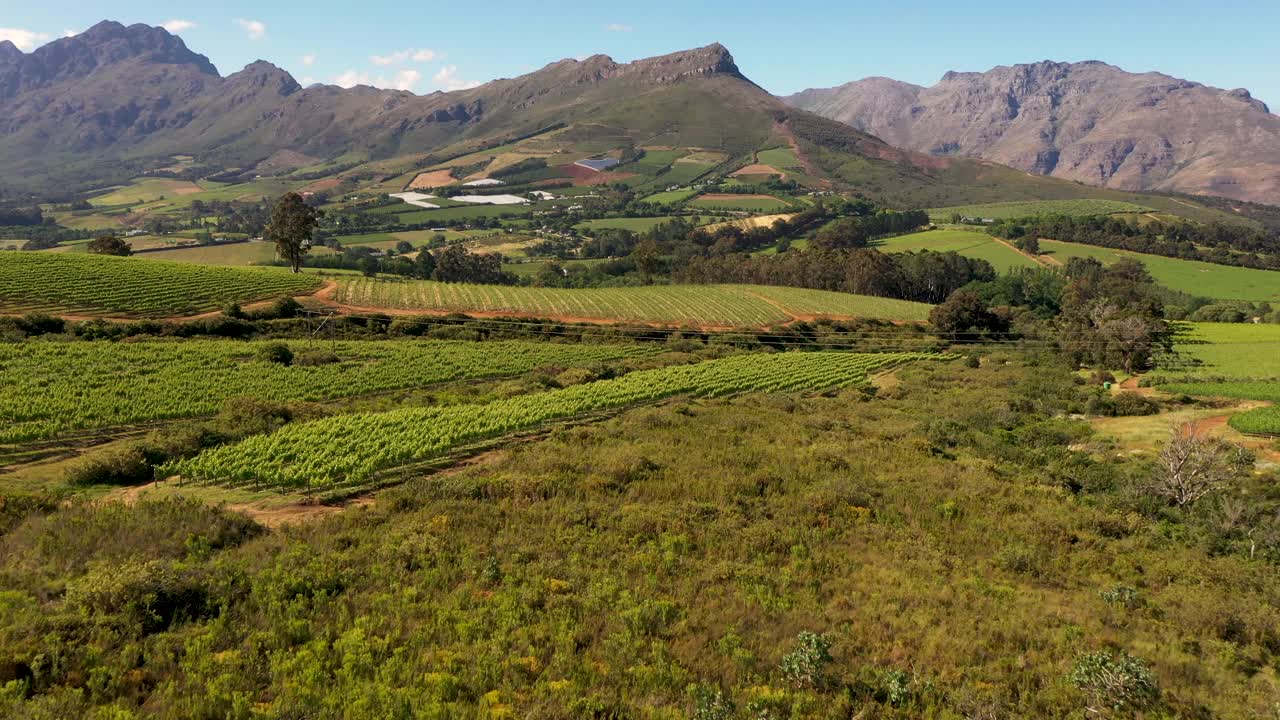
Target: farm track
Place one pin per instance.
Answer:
(1041, 260)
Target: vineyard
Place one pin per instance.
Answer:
(1029, 208)
(58, 387)
(351, 449)
(693, 305)
(107, 285)
(1240, 361)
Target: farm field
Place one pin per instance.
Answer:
(417, 238)
(782, 158)
(145, 190)
(696, 305)
(1241, 361)
(636, 225)
(671, 197)
(748, 203)
(964, 242)
(105, 285)
(1220, 282)
(61, 387)
(1007, 210)
(353, 448)
(234, 254)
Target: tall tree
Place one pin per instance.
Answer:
(110, 245)
(292, 222)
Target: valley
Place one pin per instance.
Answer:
(629, 390)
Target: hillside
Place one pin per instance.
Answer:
(1089, 122)
(117, 102)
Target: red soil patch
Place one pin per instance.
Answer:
(326, 184)
(586, 176)
(757, 170)
(433, 179)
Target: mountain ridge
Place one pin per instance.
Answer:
(1088, 121)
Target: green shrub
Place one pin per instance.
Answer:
(805, 666)
(1121, 596)
(147, 595)
(1128, 404)
(120, 466)
(41, 324)
(1117, 682)
(711, 704)
(277, 353)
(312, 358)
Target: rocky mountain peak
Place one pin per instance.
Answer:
(713, 59)
(9, 52)
(1084, 121)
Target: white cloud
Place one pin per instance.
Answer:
(403, 56)
(253, 28)
(618, 27)
(308, 60)
(402, 80)
(177, 26)
(405, 80)
(352, 78)
(26, 40)
(447, 79)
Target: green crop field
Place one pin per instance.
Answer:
(1239, 360)
(780, 158)
(653, 161)
(61, 387)
(637, 225)
(745, 203)
(1005, 210)
(1189, 276)
(696, 305)
(682, 173)
(465, 212)
(965, 242)
(670, 198)
(353, 448)
(147, 190)
(247, 253)
(105, 285)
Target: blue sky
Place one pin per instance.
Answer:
(783, 46)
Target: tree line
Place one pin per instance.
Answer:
(924, 277)
(1218, 243)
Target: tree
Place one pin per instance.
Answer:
(110, 245)
(647, 258)
(425, 264)
(292, 222)
(964, 313)
(1029, 244)
(1193, 465)
(404, 247)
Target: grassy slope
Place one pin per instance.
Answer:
(1189, 276)
(965, 242)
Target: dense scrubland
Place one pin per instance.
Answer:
(950, 546)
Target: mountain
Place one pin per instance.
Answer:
(1089, 122)
(116, 102)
